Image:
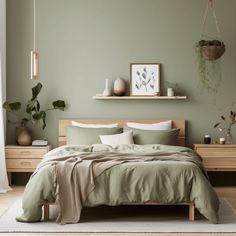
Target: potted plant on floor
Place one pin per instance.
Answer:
(32, 113)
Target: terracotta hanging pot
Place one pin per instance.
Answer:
(212, 52)
(23, 136)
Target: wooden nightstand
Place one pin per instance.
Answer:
(24, 158)
(217, 157)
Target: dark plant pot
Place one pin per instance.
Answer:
(212, 52)
(23, 136)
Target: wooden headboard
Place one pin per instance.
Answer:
(122, 123)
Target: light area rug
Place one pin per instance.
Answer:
(124, 219)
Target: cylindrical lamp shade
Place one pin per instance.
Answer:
(34, 65)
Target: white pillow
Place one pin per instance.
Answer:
(116, 139)
(75, 123)
(165, 125)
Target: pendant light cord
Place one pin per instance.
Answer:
(34, 27)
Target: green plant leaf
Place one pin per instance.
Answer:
(11, 107)
(59, 104)
(31, 106)
(44, 121)
(12, 122)
(36, 90)
(216, 125)
(40, 117)
(38, 105)
(36, 116)
(24, 121)
(222, 117)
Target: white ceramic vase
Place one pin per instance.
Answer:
(170, 92)
(107, 91)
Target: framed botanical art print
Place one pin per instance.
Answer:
(145, 79)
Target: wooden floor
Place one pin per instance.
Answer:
(8, 198)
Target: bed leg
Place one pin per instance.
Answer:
(46, 211)
(191, 212)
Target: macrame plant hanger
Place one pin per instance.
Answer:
(214, 49)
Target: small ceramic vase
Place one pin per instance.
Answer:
(119, 88)
(107, 91)
(23, 136)
(170, 92)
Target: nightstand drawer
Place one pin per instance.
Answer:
(219, 162)
(217, 152)
(217, 157)
(22, 163)
(25, 152)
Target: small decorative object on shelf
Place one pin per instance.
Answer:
(207, 139)
(107, 91)
(227, 126)
(119, 87)
(145, 79)
(170, 92)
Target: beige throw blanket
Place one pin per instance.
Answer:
(75, 175)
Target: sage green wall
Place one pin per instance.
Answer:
(83, 42)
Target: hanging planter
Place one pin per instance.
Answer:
(209, 49)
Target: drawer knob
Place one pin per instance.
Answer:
(25, 163)
(25, 153)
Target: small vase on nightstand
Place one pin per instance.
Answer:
(228, 137)
(23, 136)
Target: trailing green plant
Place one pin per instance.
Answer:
(209, 68)
(32, 111)
(208, 53)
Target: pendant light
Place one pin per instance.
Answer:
(34, 55)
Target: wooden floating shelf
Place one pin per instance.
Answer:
(140, 98)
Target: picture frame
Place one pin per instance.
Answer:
(145, 79)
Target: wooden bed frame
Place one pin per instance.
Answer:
(122, 123)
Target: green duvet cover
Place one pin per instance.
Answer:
(167, 182)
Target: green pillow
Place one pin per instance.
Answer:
(167, 137)
(87, 136)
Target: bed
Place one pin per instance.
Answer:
(177, 181)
